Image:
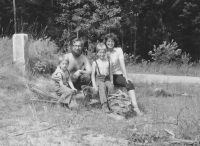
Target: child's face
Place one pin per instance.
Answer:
(102, 54)
(64, 65)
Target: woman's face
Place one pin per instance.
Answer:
(110, 43)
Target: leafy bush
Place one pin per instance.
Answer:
(42, 58)
(169, 52)
(130, 59)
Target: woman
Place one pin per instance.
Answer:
(120, 77)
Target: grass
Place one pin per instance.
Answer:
(177, 113)
(165, 69)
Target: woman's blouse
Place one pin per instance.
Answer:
(115, 55)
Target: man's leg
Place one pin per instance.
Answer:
(85, 79)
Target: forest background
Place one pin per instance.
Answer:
(139, 24)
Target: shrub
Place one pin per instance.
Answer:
(130, 59)
(169, 52)
(43, 58)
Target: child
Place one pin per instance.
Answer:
(102, 76)
(64, 83)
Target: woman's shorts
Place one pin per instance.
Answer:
(120, 80)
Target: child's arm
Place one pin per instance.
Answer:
(71, 84)
(93, 76)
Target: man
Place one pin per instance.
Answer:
(79, 65)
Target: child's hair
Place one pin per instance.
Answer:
(61, 59)
(101, 46)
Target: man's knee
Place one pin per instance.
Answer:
(85, 78)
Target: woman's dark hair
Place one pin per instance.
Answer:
(113, 37)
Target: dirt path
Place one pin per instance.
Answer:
(152, 78)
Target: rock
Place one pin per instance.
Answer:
(161, 92)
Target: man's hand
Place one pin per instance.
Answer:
(77, 74)
(74, 90)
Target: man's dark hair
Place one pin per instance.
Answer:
(77, 40)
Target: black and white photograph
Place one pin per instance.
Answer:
(99, 72)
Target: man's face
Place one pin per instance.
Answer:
(77, 48)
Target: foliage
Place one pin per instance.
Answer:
(130, 59)
(169, 52)
(157, 20)
(88, 19)
(43, 58)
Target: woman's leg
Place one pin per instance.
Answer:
(119, 80)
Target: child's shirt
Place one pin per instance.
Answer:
(64, 76)
(102, 70)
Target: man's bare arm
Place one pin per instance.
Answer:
(66, 57)
(87, 66)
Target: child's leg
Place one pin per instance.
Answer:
(102, 91)
(65, 94)
(109, 87)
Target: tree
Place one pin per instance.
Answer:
(91, 18)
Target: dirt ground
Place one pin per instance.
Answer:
(33, 124)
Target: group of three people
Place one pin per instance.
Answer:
(109, 69)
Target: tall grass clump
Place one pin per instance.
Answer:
(11, 79)
(6, 54)
(42, 55)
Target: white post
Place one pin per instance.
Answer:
(20, 51)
